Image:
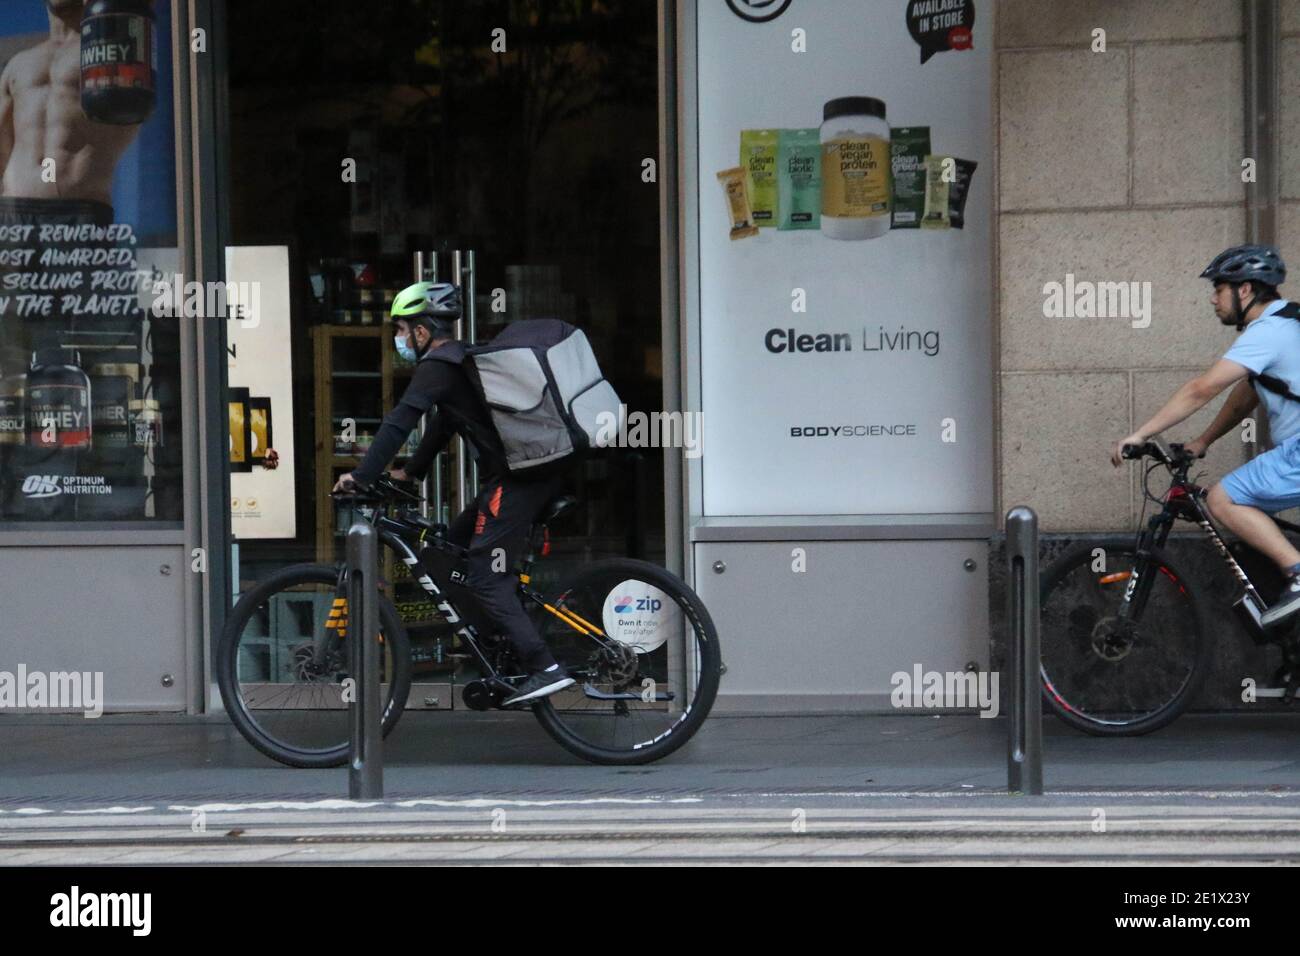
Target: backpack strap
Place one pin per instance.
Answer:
(1271, 382)
(452, 352)
(1274, 385)
(456, 353)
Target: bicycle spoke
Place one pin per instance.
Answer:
(622, 725)
(1111, 671)
(283, 695)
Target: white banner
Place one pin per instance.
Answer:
(260, 399)
(846, 376)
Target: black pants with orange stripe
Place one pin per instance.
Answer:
(495, 530)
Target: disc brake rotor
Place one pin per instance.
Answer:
(307, 668)
(615, 664)
(1112, 639)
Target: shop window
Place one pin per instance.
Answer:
(532, 158)
(90, 422)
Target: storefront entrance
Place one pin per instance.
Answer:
(500, 147)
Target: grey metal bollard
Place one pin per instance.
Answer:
(365, 753)
(1025, 750)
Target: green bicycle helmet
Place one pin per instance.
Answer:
(433, 304)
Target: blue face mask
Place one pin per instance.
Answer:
(404, 349)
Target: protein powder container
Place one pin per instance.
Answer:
(13, 417)
(112, 391)
(119, 61)
(855, 168)
(58, 401)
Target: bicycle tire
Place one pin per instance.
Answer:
(1083, 554)
(228, 657)
(710, 671)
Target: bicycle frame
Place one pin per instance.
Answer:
(393, 534)
(400, 535)
(1185, 501)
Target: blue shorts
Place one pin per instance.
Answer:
(1269, 482)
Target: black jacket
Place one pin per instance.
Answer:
(441, 390)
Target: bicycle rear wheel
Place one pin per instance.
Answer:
(284, 700)
(1114, 677)
(647, 691)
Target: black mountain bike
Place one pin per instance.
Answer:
(1124, 637)
(638, 642)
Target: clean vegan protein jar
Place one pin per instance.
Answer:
(855, 168)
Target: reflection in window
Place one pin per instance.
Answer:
(89, 375)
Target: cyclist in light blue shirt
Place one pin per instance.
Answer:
(1263, 365)
(1270, 345)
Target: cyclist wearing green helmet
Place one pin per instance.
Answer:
(424, 316)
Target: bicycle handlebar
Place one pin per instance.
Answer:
(382, 489)
(1175, 456)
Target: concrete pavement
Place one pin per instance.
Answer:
(465, 787)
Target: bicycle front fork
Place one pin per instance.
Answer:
(327, 638)
(1141, 578)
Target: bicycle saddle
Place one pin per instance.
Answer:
(556, 507)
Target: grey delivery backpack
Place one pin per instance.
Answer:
(544, 389)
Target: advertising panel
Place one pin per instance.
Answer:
(260, 398)
(845, 190)
(89, 376)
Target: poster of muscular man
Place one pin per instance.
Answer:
(89, 379)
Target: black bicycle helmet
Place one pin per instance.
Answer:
(1247, 263)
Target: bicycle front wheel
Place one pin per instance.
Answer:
(281, 692)
(1115, 676)
(646, 669)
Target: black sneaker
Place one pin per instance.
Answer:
(1287, 604)
(540, 684)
